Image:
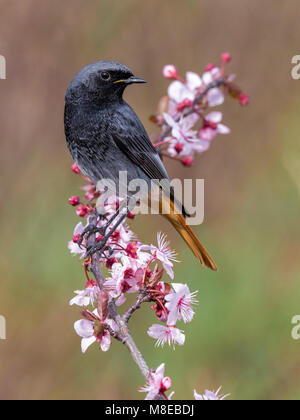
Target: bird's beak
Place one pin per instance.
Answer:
(131, 80)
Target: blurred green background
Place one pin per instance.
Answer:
(241, 336)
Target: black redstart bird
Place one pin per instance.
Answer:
(105, 137)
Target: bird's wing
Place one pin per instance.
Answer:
(133, 140)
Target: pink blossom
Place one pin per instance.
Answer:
(212, 126)
(211, 75)
(179, 304)
(157, 384)
(93, 330)
(184, 136)
(86, 297)
(169, 334)
(163, 253)
(210, 395)
(126, 277)
(72, 245)
(179, 91)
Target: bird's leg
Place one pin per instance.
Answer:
(101, 244)
(109, 222)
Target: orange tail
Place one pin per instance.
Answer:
(179, 223)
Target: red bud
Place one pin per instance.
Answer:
(74, 200)
(75, 169)
(187, 161)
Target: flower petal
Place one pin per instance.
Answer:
(84, 328)
(223, 129)
(86, 343)
(105, 341)
(193, 80)
(215, 97)
(214, 116)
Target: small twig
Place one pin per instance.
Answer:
(143, 297)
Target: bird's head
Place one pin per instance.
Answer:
(101, 81)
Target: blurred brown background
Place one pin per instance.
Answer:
(241, 337)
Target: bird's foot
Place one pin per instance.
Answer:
(101, 247)
(90, 230)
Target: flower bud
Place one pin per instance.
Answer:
(178, 147)
(226, 57)
(170, 72)
(187, 161)
(74, 200)
(76, 238)
(75, 169)
(82, 211)
(244, 99)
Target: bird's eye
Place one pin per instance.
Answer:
(105, 75)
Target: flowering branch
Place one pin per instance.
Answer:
(193, 108)
(123, 335)
(137, 268)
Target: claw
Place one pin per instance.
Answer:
(88, 231)
(99, 247)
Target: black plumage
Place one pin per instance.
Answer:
(105, 137)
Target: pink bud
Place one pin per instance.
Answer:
(209, 67)
(99, 238)
(74, 201)
(75, 169)
(187, 161)
(244, 99)
(165, 384)
(76, 238)
(170, 72)
(82, 211)
(131, 215)
(179, 147)
(226, 57)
